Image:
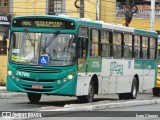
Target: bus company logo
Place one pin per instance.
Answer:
(116, 68)
(95, 64)
(21, 115)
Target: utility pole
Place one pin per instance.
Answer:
(81, 8)
(152, 16)
(98, 10)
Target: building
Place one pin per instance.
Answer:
(106, 10)
(4, 6)
(141, 19)
(5, 18)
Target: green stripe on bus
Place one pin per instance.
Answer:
(145, 64)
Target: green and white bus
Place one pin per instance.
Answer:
(62, 55)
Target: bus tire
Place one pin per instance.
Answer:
(123, 96)
(134, 89)
(156, 91)
(88, 98)
(34, 98)
(132, 94)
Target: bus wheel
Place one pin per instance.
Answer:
(123, 96)
(33, 97)
(156, 91)
(88, 98)
(133, 93)
(134, 89)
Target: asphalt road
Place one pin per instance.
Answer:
(55, 102)
(60, 103)
(147, 112)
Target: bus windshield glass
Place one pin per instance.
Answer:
(42, 48)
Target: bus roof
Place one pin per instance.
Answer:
(98, 24)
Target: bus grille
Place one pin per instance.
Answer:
(38, 69)
(40, 80)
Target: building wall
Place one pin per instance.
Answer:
(3, 8)
(71, 9)
(34, 7)
(108, 10)
(140, 23)
(28, 7)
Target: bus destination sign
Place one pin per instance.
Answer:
(46, 24)
(43, 23)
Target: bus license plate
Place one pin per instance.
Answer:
(37, 86)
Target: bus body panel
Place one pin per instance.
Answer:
(51, 86)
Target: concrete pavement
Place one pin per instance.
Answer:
(5, 94)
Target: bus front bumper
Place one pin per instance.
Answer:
(57, 87)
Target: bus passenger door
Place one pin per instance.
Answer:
(82, 67)
(82, 54)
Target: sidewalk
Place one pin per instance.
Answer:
(6, 94)
(2, 88)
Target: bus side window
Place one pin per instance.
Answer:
(137, 46)
(105, 45)
(127, 46)
(117, 39)
(145, 47)
(82, 51)
(152, 48)
(94, 51)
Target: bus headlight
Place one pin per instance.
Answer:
(58, 81)
(17, 79)
(70, 76)
(9, 73)
(64, 80)
(13, 76)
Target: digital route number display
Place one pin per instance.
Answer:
(43, 23)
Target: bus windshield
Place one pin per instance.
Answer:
(29, 48)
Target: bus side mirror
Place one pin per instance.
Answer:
(4, 40)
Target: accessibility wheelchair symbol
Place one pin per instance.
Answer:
(43, 60)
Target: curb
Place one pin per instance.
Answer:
(105, 106)
(9, 95)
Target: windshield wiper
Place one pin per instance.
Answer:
(29, 38)
(51, 40)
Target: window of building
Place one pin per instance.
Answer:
(5, 2)
(145, 47)
(55, 6)
(152, 48)
(105, 45)
(127, 46)
(94, 43)
(137, 46)
(117, 39)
